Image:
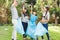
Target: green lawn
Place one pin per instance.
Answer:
(6, 32)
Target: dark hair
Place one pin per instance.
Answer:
(47, 8)
(26, 13)
(25, 8)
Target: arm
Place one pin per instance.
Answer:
(48, 18)
(31, 9)
(23, 7)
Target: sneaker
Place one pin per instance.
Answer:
(25, 39)
(12, 39)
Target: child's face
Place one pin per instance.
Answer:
(24, 10)
(34, 13)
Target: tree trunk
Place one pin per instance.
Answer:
(56, 21)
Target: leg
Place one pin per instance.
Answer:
(14, 33)
(35, 38)
(25, 28)
(31, 38)
(42, 37)
(47, 34)
(24, 36)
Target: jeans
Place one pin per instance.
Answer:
(47, 34)
(25, 28)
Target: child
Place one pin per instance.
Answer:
(32, 24)
(25, 18)
(45, 20)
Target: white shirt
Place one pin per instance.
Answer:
(24, 19)
(47, 16)
(14, 12)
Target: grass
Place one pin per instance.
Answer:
(6, 32)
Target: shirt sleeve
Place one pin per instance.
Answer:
(48, 16)
(31, 14)
(12, 10)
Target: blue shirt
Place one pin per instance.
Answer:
(33, 18)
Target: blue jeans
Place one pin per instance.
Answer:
(47, 34)
(25, 28)
(46, 26)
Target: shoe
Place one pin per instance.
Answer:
(12, 39)
(25, 39)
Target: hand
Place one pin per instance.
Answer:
(43, 21)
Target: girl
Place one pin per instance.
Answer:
(32, 24)
(25, 18)
(45, 20)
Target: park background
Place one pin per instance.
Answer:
(6, 17)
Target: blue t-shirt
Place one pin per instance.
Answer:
(33, 18)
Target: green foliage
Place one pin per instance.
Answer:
(39, 3)
(31, 1)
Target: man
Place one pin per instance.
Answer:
(14, 18)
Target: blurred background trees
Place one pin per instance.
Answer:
(5, 13)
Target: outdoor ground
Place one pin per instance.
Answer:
(6, 32)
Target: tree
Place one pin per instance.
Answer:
(33, 2)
